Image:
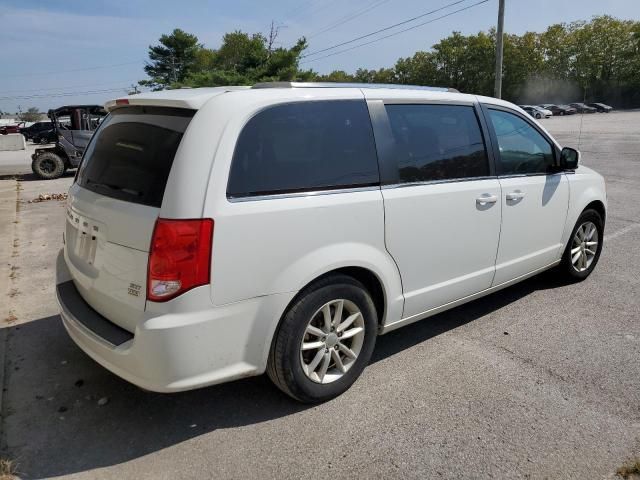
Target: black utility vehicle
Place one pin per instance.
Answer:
(73, 126)
(601, 107)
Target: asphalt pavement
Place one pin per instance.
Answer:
(540, 380)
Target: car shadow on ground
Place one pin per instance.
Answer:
(30, 177)
(55, 426)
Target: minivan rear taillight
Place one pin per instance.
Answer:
(179, 257)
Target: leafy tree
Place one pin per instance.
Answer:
(171, 60)
(417, 70)
(523, 63)
(31, 115)
(596, 60)
(241, 59)
(339, 76)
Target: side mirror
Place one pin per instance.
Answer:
(569, 158)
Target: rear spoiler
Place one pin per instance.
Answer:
(190, 98)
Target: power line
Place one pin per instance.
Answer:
(64, 94)
(117, 82)
(348, 18)
(396, 33)
(298, 10)
(383, 29)
(314, 9)
(72, 70)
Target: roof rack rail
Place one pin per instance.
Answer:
(350, 85)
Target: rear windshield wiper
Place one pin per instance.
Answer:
(114, 187)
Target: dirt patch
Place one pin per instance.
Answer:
(630, 470)
(8, 469)
(44, 197)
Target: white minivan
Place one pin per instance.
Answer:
(217, 233)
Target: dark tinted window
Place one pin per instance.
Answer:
(304, 146)
(130, 155)
(523, 150)
(437, 142)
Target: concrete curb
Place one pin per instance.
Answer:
(12, 142)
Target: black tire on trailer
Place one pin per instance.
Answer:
(48, 166)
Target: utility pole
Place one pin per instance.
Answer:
(173, 69)
(499, 46)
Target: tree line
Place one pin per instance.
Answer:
(596, 60)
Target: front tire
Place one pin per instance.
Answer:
(538, 116)
(582, 253)
(325, 340)
(48, 166)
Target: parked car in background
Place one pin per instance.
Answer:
(45, 136)
(559, 109)
(215, 234)
(536, 111)
(36, 129)
(7, 129)
(583, 108)
(601, 107)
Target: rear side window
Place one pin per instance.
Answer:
(523, 150)
(131, 154)
(305, 146)
(437, 142)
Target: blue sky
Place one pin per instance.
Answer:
(53, 47)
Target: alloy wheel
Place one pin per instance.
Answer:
(332, 341)
(584, 246)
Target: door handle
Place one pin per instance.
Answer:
(486, 199)
(517, 195)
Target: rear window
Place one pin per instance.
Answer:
(305, 146)
(131, 153)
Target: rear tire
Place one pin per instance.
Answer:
(44, 141)
(48, 166)
(583, 250)
(312, 359)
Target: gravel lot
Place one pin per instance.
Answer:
(541, 380)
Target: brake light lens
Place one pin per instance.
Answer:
(179, 257)
(122, 101)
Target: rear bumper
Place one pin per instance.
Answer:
(176, 351)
